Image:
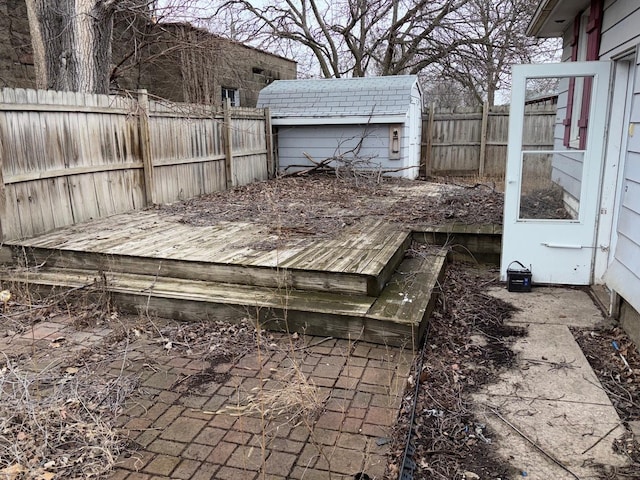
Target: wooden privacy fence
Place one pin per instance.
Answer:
(70, 157)
(473, 141)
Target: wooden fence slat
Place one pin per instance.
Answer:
(228, 148)
(69, 157)
(145, 146)
(483, 138)
(428, 158)
(464, 141)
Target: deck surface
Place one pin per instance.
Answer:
(356, 284)
(364, 248)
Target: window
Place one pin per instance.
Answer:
(233, 94)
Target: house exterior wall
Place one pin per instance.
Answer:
(326, 118)
(566, 167)
(16, 59)
(620, 35)
(326, 141)
(183, 64)
(623, 273)
(620, 30)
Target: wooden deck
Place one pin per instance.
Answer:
(356, 285)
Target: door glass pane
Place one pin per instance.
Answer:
(555, 130)
(550, 185)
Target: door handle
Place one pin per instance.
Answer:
(559, 245)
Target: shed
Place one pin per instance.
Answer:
(370, 123)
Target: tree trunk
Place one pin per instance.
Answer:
(72, 43)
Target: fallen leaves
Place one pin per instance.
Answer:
(448, 439)
(321, 206)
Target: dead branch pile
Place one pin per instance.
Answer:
(321, 205)
(547, 203)
(291, 397)
(215, 340)
(57, 422)
(448, 438)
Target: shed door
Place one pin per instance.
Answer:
(554, 166)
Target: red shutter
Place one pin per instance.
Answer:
(572, 83)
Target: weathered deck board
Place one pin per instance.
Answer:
(355, 285)
(200, 291)
(409, 291)
(397, 317)
(364, 249)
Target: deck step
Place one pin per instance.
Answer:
(396, 317)
(340, 265)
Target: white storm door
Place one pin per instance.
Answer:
(555, 156)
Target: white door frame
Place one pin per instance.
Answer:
(563, 251)
(616, 153)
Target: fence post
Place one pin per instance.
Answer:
(428, 156)
(3, 200)
(271, 166)
(145, 147)
(483, 138)
(228, 151)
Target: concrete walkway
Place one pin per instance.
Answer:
(552, 395)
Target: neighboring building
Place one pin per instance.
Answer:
(16, 59)
(604, 30)
(374, 121)
(182, 63)
(175, 61)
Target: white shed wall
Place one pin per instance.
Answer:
(324, 141)
(414, 133)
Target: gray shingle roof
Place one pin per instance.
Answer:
(338, 97)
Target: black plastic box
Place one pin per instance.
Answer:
(518, 279)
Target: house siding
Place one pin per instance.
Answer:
(620, 34)
(566, 168)
(619, 27)
(624, 272)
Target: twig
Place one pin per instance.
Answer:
(608, 391)
(62, 296)
(538, 447)
(315, 344)
(601, 438)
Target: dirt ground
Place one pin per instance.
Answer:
(55, 402)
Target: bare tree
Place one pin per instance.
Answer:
(72, 43)
(445, 94)
(360, 37)
(483, 68)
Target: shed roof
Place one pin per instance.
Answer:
(339, 97)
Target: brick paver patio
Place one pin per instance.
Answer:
(179, 431)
